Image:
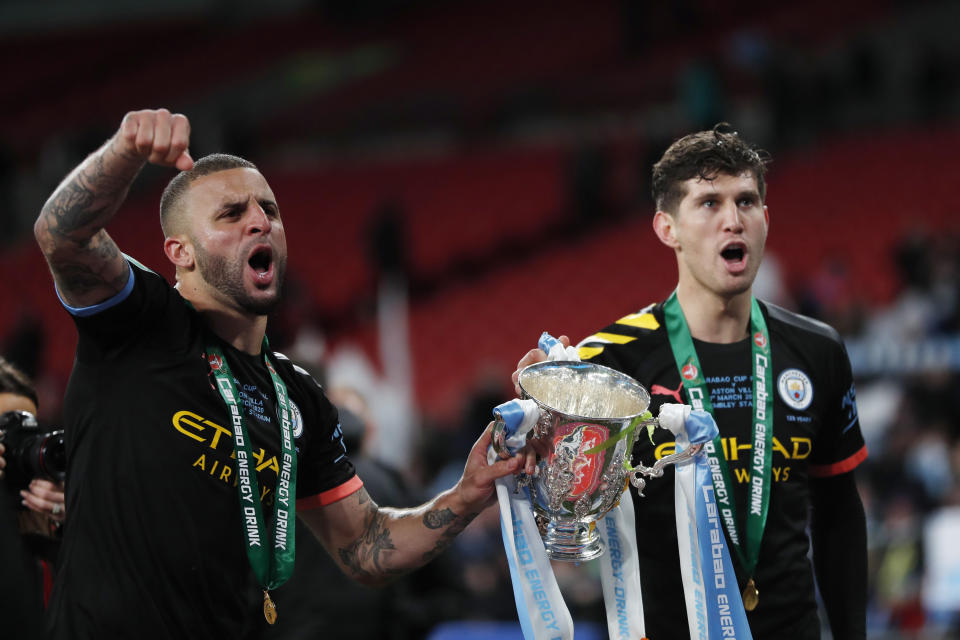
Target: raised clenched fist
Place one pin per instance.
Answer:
(157, 136)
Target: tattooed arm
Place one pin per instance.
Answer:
(85, 261)
(374, 544)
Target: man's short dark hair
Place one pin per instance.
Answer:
(14, 381)
(705, 154)
(173, 194)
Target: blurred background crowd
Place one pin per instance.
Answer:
(456, 177)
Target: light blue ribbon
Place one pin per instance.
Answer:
(701, 427)
(547, 342)
(726, 617)
(512, 415)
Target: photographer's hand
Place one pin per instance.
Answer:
(46, 498)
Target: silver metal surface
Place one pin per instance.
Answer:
(582, 406)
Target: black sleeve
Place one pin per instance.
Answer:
(324, 472)
(151, 314)
(839, 531)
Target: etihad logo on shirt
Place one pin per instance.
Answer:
(217, 449)
(735, 450)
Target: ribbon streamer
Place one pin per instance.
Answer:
(714, 607)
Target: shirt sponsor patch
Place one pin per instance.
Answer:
(795, 389)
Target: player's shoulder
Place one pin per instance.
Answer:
(631, 329)
(799, 326)
(296, 371)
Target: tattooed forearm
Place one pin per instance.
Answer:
(88, 197)
(80, 278)
(440, 519)
(85, 261)
(392, 542)
(364, 557)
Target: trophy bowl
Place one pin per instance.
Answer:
(583, 407)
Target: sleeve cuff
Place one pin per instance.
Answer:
(112, 301)
(330, 496)
(835, 469)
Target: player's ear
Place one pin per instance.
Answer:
(179, 251)
(664, 226)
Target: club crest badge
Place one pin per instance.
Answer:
(795, 388)
(296, 419)
(689, 371)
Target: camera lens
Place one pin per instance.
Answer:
(49, 456)
(31, 453)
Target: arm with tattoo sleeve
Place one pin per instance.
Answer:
(373, 544)
(86, 263)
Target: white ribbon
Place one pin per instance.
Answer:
(620, 572)
(542, 611)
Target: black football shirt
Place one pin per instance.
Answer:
(153, 546)
(816, 433)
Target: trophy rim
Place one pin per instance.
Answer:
(545, 364)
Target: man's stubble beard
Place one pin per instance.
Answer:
(226, 276)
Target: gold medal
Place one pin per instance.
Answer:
(751, 596)
(269, 608)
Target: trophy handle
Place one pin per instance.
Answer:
(657, 469)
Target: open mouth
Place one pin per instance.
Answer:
(261, 261)
(735, 257)
(733, 253)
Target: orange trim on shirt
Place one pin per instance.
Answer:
(835, 469)
(331, 495)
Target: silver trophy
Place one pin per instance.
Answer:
(589, 417)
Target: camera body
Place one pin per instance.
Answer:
(31, 453)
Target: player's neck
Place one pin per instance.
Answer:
(715, 318)
(242, 330)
